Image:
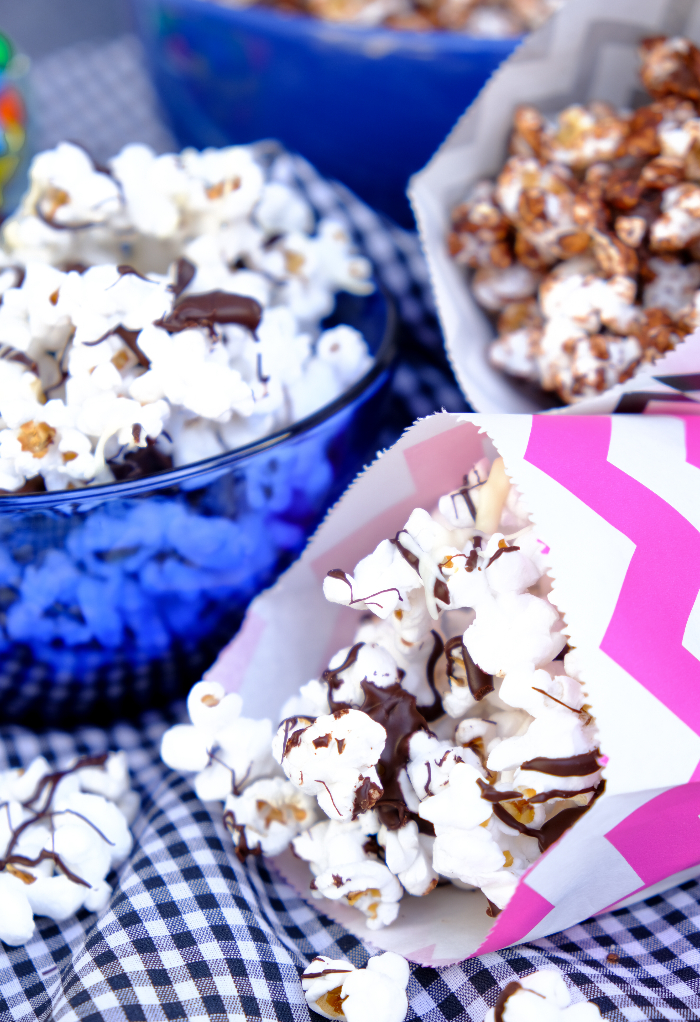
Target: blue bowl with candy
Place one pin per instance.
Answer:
(368, 106)
(115, 598)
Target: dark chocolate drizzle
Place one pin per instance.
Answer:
(334, 682)
(508, 991)
(124, 270)
(129, 337)
(395, 709)
(46, 787)
(406, 554)
(205, 310)
(184, 275)
(572, 766)
(237, 831)
(144, 461)
(343, 577)
(480, 683)
(11, 354)
(553, 829)
(433, 710)
(490, 794)
(501, 550)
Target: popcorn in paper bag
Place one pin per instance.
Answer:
(613, 505)
(581, 243)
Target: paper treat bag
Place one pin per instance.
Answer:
(588, 51)
(617, 500)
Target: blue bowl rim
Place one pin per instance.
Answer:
(383, 357)
(268, 19)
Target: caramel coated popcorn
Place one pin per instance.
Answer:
(487, 19)
(586, 247)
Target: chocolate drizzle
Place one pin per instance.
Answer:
(395, 709)
(342, 576)
(508, 991)
(501, 550)
(572, 766)
(490, 794)
(331, 676)
(129, 337)
(46, 788)
(184, 275)
(480, 683)
(409, 557)
(144, 461)
(237, 831)
(434, 710)
(205, 310)
(553, 829)
(11, 354)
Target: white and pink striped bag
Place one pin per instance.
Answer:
(617, 499)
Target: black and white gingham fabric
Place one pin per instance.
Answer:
(191, 934)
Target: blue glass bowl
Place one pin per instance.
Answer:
(114, 599)
(368, 106)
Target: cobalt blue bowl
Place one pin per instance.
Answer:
(368, 106)
(114, 599)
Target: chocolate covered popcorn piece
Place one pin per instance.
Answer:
(344, 860)
(599, 210)
(333, 758)
(336, 989)
(540, 995)
(61, 834)
(165, 303)
(266, 816)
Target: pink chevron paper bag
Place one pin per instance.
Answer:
(617, 500)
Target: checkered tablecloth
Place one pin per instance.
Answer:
(190, 933)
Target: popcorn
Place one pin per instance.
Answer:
(587, 242)
(334, 759)
(521, 1001)
(342, 857)
(169, 303)
(336, 989)
(502, 20)
(62, 833)
(223, 749)
(433, 754)
(267, 815)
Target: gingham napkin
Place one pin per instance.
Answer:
(190, 933)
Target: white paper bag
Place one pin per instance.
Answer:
(588, 51)
(617, 500)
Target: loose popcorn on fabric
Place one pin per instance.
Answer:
(538, 996)
(336, 989)
(61, 833)
(452, 742)
(163, 310)
(585, 248)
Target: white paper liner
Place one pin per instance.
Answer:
(617, 500)
(588, 51)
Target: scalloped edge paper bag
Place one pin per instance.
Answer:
(617, 501)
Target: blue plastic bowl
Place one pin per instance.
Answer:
(114, 599)
(366, 106)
